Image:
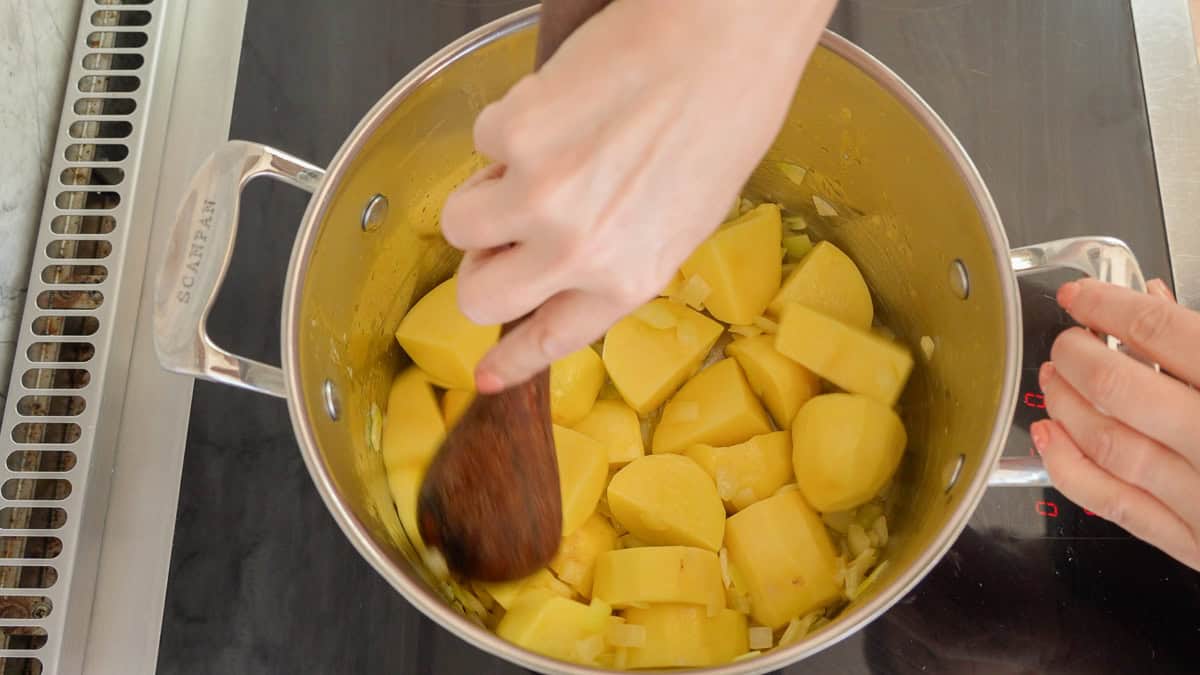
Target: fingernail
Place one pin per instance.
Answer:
(1040, 435)
(1159, 287)
(1067, 294)
(1045, 373)
(487, 382)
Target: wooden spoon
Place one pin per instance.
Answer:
(490, 502)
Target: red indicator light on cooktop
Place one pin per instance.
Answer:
(1047, 509)
(1033, 400)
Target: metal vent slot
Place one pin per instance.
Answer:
(60, 352)
(42, 548)
(79, 249)
(120, 61)
(22, 665)
(94, 200)
(96, 129)
(70, 299)
(32, 518)
(43, 460)
(51, 406)
(35, 576)
(23, 637)
(123, 2)
(87, 152)
(120, 17)
(36, 489)
(104, 106)
(55, 378)
(46, 432)
(98, 224)
(65, 325)
(92, 175)
(116, 40)
(74, 274)
(97, 83)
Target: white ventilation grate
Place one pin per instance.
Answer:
(52, 462)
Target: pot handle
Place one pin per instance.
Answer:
(197, 257)
(1103, 258)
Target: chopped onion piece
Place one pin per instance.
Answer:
(436, 563)
(695, 291)
(867, 513)
(871, 578)
(723, 556)
(927, 347)
(375, 429)
(795, 223)
(626, 635)
(793, 172)
(838, 521)
(797, 246)
(880, 530)
(745, 205)
(738, 601)
(760, 637)
(856, 538)
(748, 655)
(656, 316)
(857, 570)
(768, 326)
(745, 331)
(589, 648)
(823, 207)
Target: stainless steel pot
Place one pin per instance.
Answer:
(910, 207)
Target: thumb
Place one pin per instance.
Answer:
(566, 322)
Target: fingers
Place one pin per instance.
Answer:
(1156, 405)
(1150, 324)
(1121, 451)
(479, 215)
(565, 323)
(500, 285)
(1085, 483)
(1159, 288)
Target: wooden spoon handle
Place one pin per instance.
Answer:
(559, 19)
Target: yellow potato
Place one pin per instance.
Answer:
(827, 281)
(781, 383)
(454, 403)
(575, 380)
(405, 484)
(616, 425)
(545, 623)
(582, 469)
(575, 561)
(784, 556)
(648, 357)
(858, 361)
(634, 577)
(667, 500)
(443, 342)
(715, 407)
(682, 636)
(747, 472)
(505, 593)
(740, 262)
(845, 449)
(413, 428)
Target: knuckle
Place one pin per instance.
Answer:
(551, 341)
(1151, 323)
(1099, 444)
(1140, 466)
(1114, 508)
(474, 301)
(1106, 383)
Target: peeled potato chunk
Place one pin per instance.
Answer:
(616, 425)
(548, 624)
(454, 403)
(741, 264)
(575, 380)
(845, 448)
(781, 383)
(405, 484)
(784, 556)
(683, 636)
(858, 361)
(827, 281)
(413, 428)
(747, 472)
(443, 342)
(649, 353)
(667, 500)
(634, 577)
(716, 407)
(575, 562)
(582, 468)
(505, 593)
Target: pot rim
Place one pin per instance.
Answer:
(431, 604)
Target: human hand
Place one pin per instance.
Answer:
(614, 162)
(1124, 440)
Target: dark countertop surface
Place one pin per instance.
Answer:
(1046, 98)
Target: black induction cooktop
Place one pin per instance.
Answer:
(1047, 99)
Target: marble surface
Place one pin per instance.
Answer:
(35, 48)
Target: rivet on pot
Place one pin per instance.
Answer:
(375, 213)
(333, 406)
(955, 471)
(960, 283)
